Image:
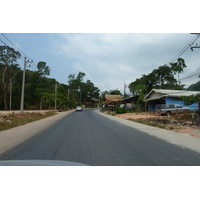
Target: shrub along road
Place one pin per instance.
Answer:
(94, 138)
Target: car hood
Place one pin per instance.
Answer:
(39, 163)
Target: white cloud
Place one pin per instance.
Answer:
(108, 59)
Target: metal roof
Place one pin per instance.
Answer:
(129, 98)
(170, 93)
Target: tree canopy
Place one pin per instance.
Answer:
(162, 77)
(189, 100)
(81, 91)
(8, 71)
(41, 92)
(43, 69)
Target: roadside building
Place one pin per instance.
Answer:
(91, 103)
(110, 101)
(162, 96)
(129, 102)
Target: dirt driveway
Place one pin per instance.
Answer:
(194, 131)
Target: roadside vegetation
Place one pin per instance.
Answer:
(173, 122)
(41, 92)
(12, 120)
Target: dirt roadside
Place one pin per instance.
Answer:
(186, 129)
(4, 113)
(12, 137)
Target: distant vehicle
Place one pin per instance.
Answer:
(170, 109)
(79, 108)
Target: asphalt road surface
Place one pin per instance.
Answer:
(93, 139)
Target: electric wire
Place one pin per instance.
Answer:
(3, 42)
(170, 49)
(184, 49)
(172, 56)
(34, 68)
(180, 53)
(175, 46)
(34, 64)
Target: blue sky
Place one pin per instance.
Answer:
(106, 59)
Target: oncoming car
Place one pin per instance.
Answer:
(79, 108)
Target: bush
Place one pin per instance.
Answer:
(119, 110)
(133, 109)
(197, 112)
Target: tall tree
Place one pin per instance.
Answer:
(162, 77)
(178, 67)
(9, 69)
(115, 92)
(80, 90)
(43, 69)
(75, 85)
(39, 89)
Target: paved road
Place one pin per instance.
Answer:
(93, 139)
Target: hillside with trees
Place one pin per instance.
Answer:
(194, 87)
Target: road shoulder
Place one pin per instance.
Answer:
(13, 137)
(180, 139)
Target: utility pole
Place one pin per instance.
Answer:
(194, 47)
(125, 86)
(68, 97)
(80, 97)
(198, 35)
(55, 96)
(23, 83)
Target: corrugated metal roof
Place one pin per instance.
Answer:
(171, 93)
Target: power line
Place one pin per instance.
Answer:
(15, 46)
(8, 46)
(175, 45)
(198, 70)
(198, 34)
(172, 47)
(189, 76)
(34, 67)
(34, 64)
(3, 42)
(22, 58)
(185, 48)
